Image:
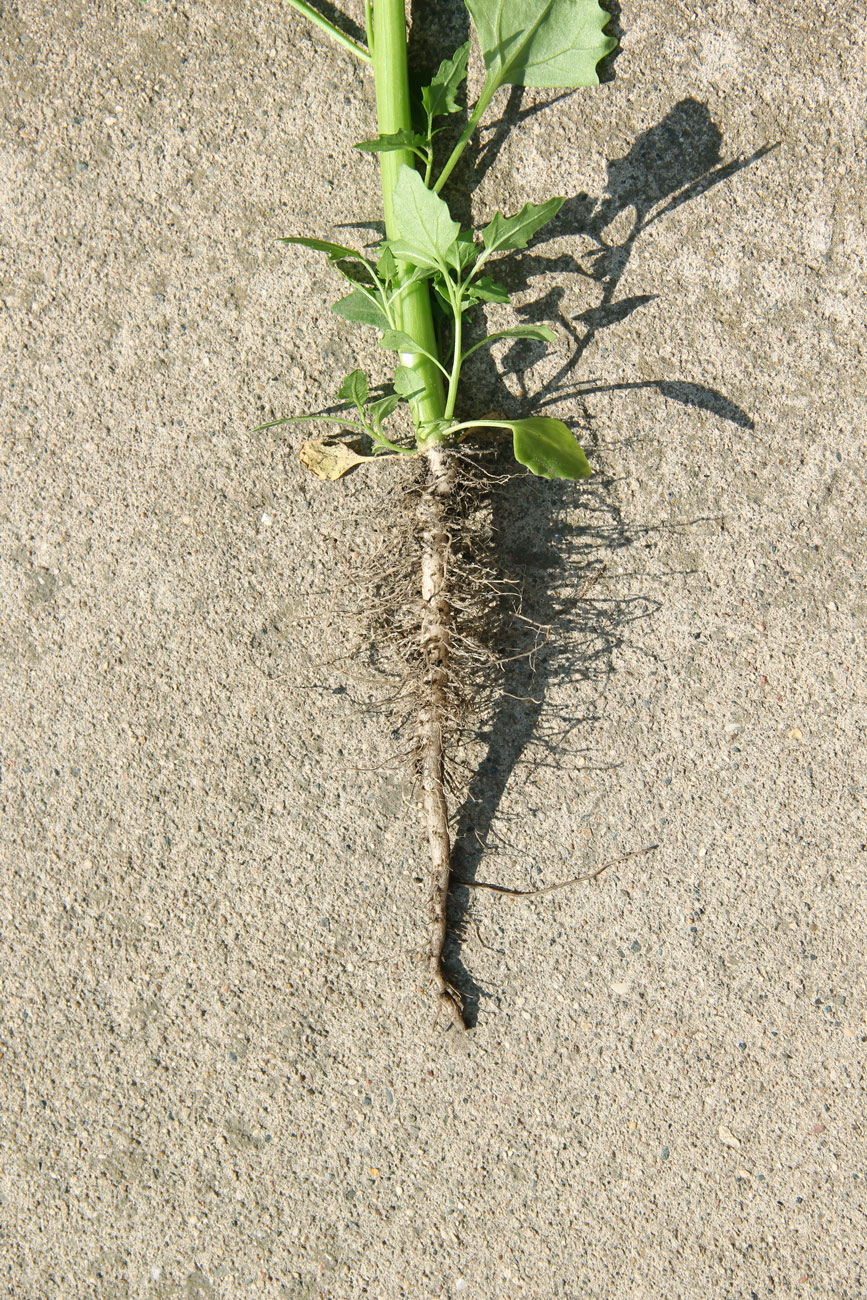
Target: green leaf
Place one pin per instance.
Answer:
(547, 448)
(504, 233)
(405, 251)
(407, 382)
(358, 308)
(336, 252)
(542, 42)
(387, 266)
(426, 232)
(383, 408)
(399, 341)
(439, 96)
(485, 290)
(467, 249)
(397, 140)
(354, 388)
(542, 333)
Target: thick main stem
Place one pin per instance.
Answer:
(393, 115)
(436, 651)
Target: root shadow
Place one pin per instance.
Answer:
(560, 565)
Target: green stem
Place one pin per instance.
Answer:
(458, 358)
(490, 88)
(478, 424)
(393, 114)
(334, 32)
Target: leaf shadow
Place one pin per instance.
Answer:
(672, 163)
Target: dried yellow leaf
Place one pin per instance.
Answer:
(329, 461)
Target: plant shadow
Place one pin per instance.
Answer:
(559, 564)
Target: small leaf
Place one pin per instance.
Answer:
(358, 308)
(439, 96)
(383, 408)
(542, 42)
(426, 231)
(387, 266)
(407, 383)
(336, 252)
(399, 341)
(485, 290)
(397, 140)
(543, 333)
(329, 461)
(547, 448)
(467, 249)
(504, 233)
(354, 388)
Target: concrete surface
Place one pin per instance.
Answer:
(219, 1076)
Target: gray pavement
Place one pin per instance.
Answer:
(220, 1075)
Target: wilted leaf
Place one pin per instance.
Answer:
(329, 461)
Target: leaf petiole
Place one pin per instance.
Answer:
(489, 89)
(334, 32)
(321, 419)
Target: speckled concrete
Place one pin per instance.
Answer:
(219, 1076)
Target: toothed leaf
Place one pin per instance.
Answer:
(387, 266)
(426, 232)
(439, 97)
(504, 233)
(542, 42)
(354, 388)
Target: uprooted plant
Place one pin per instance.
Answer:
(420, 287)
